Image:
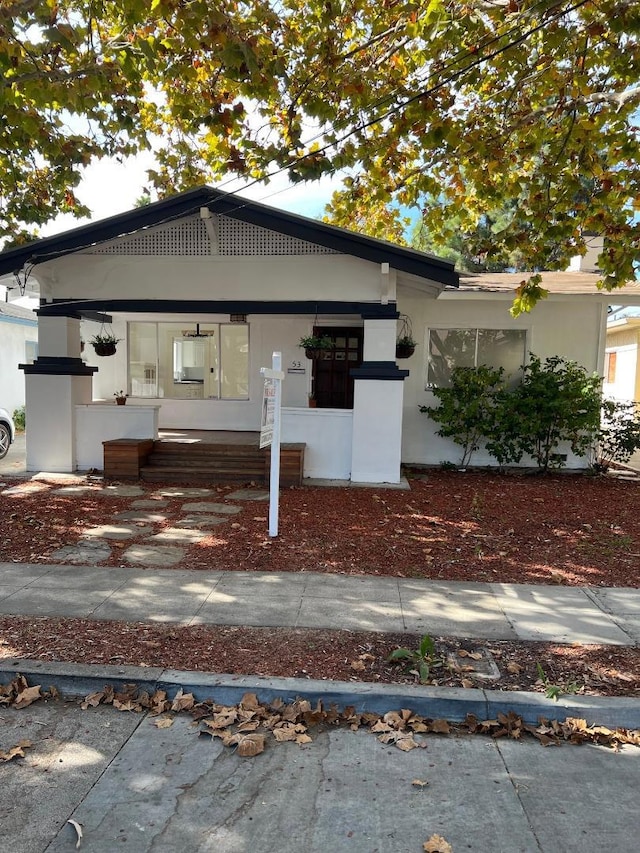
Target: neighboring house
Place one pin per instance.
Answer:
(621, 361)
(203, 287)
(18, 344)
(621, 366)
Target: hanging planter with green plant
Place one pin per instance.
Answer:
(104, 344)
(315, 345)
(405, 343)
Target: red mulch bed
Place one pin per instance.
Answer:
(563, 529)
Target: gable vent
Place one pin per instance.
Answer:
(189, 237)
(243, 238)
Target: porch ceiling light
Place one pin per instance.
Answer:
(191, 333)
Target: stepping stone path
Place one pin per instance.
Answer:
(175, 534)
(140, 515)
(139, 521)
(248, 495)
(120, 492)
(74, 490)
(87, 553)
(113, 531)
(202, 521)
(154, 555)
(206, 506)
(184, 493)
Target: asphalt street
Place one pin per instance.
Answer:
(134, 787)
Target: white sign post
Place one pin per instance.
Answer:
(270, 432)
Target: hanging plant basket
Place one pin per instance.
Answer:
(315, 345)
(103, 349)
(313, 353)
(405, 344)
(405, 350)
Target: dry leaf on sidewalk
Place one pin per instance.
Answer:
(15, 751)
(437, 844)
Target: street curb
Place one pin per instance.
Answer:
(453, 704)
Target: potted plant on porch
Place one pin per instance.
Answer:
(121, 398)
(315, 345)
(104, 343)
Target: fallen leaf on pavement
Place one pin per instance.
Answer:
(15, 751)
(27, 696)
(437, 844)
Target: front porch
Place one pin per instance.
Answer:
(201, 456)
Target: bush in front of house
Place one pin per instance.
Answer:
(20, 418)
(555, 402)
(619, 435)
(467, 408)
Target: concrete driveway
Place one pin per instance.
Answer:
(15, 462)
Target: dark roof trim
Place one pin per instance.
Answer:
(88, 308)
(189, 202)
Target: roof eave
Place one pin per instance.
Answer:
(329, 236)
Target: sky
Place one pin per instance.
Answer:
(110, 187)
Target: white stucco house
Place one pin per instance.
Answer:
(203, 287)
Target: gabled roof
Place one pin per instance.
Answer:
(189, 202)
(559, 283)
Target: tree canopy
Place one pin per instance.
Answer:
(455, 108)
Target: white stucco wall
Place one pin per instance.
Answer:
(571, 328)
(327, 277)
(327, 434)
(14, 334)
(96, 423)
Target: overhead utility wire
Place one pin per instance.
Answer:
(423, 93)
(362, 126)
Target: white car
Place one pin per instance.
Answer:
(7, 432)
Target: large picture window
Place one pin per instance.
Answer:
(450, 348)
(189, 361)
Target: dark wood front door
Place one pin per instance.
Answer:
(332, 385)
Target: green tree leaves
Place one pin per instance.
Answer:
(452, 109)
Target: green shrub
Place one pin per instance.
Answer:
(466, 410)
(20, 417)
(556, 401)
(619, 435)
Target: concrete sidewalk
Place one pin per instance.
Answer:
(589, 615)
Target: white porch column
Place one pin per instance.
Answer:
(56, 382)
(377, 407)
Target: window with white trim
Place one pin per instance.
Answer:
(185, 361)
(451, 348)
